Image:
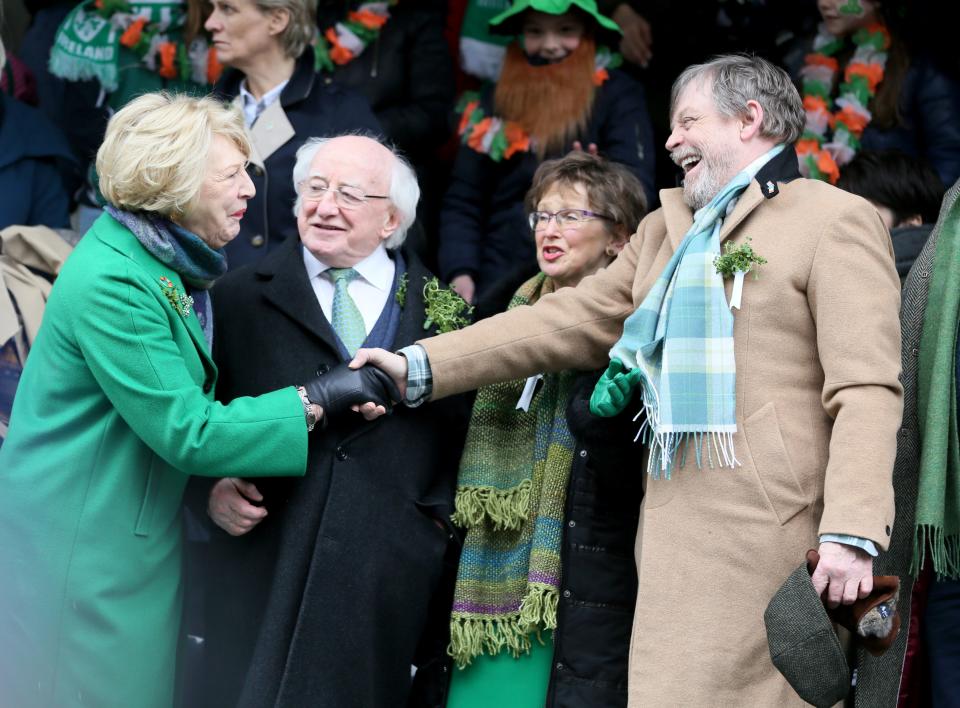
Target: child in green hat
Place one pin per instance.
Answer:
(558, 90)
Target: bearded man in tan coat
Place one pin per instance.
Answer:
(772, 426)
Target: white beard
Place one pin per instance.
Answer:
(712, 178)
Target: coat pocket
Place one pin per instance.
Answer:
(772, 464)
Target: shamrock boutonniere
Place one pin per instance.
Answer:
(445, 309)
(181, 302)
(737, 261)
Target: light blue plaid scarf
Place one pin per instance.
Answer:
(678, 345)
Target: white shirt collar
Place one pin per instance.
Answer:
(252, 108)
(377, 268)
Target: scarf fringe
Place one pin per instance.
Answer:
(944, 552)
(665, 446)
(72, 68)
(471, 636)
(506, 509)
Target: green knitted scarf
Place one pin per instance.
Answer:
(938, 496)
(511, 494)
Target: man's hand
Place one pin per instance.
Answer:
(464, 287)
(845, 572)
(614, 389)
(395, 367)
(636, 45)
(230, 508)
(346, 388)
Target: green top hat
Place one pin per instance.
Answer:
(508, 21)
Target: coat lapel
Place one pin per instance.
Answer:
(115, 235)
(412, 315)
(287, 288)
(676, 214)
(679, 218)
(269, 133)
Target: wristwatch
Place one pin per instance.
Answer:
(307, 409)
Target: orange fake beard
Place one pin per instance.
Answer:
(552, 102)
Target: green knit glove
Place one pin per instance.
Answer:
(614, 389)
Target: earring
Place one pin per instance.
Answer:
(610, 251)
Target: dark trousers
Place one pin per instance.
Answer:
(942, 637)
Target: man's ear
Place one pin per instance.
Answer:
(751, 120)
(278, 19)
(391, 222)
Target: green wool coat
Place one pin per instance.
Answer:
(114, 410)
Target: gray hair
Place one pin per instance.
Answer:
(739, 78)
(404, 189)
(300, 29)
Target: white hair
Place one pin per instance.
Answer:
(404, 189)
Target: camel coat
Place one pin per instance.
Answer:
(817, 344)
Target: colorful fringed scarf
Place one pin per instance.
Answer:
(510, 497)
(87, 44)
(678, 345)
(937, 523)
(821, 154)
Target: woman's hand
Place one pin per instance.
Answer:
(465, 287)
(230, 508)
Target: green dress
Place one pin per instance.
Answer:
(504, 682)
(113, 412)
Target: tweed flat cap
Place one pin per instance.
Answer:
(803, 643)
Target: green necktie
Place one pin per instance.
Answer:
(347, 320)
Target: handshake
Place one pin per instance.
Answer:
(342, 389)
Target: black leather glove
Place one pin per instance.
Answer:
(342, 387)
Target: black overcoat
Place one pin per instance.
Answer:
(326, 600)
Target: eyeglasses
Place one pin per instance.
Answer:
(566, 218)
(346, 197)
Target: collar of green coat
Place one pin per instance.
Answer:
(119, 238)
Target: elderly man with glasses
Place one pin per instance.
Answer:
(319, 592)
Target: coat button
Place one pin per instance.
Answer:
(566, 593)
(559, 666)
(583, 453)
(341, 454)
(571, 523)
(257, 240)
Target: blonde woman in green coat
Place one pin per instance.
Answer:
(115, 409)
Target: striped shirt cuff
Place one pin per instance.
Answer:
(419, 375)
(861, 543)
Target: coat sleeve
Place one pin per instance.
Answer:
(936, 106)
(463, 214)
(124, 333)
(573, 328)
(625, 133)
(422, 118)
(854, 296)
